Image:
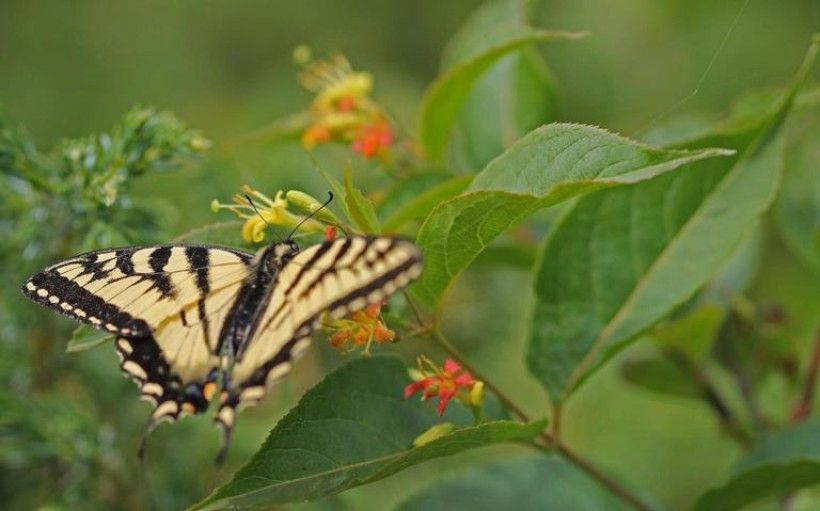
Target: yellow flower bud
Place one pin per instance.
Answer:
(302, 55)
(434, 433)
(477, 395)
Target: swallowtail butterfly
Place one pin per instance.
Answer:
(194, 320)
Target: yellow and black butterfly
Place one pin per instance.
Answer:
(191, 318)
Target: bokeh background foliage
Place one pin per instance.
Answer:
(660, 72)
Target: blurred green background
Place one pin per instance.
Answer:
(68, 69)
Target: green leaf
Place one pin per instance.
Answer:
(360, 208)
(797, 213)
(513, 255)
(227, 233)
(523, 483)
(352, 428)
(514, 96)
(338, 190)
(421, 205)
(659, 375)
(778, 465)
(549, 165)
(84, 338)
(406, 189)
(693, 333)
(622, 259)
(445, 96)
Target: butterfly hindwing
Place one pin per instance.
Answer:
(337, 277)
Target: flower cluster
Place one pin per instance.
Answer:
(446, 383)
(264, 211)
(359, 328)
(342, 109)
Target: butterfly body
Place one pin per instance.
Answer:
(191, 318)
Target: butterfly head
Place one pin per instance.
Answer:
(278, 254)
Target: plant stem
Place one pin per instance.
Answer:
(451, 350)
(803, 409)
(730, 424)
(602, 478)
(556, 422)
(549, 439)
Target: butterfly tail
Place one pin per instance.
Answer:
(226, 419)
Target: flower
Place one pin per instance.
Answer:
(342, 109)
(359, 328)
(373, 140)
(264, 212)
(446, 383)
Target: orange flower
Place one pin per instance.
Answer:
(316, 134)
(360, 328)
(446, 383)
(342, 109)
(372, 140)
(346, 104)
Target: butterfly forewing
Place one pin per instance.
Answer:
(336, 277)
(132, 290)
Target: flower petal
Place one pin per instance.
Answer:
(451, 367)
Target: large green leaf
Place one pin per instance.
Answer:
(444, 98)
(523, 483)
(406, 189)
(778, 465)
(797, 215)
(550, 164)
(513, 97)
(622, 259)
(420, 206)
(352, 428)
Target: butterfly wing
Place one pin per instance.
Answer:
(337, 277)
(164, 303)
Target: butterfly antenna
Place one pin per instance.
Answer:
(320, 208)
(250, 201)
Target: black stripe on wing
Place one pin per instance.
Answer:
(141, 359)
(65, 296)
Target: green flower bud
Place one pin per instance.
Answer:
(308, 204)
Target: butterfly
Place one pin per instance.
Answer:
(190, 320)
